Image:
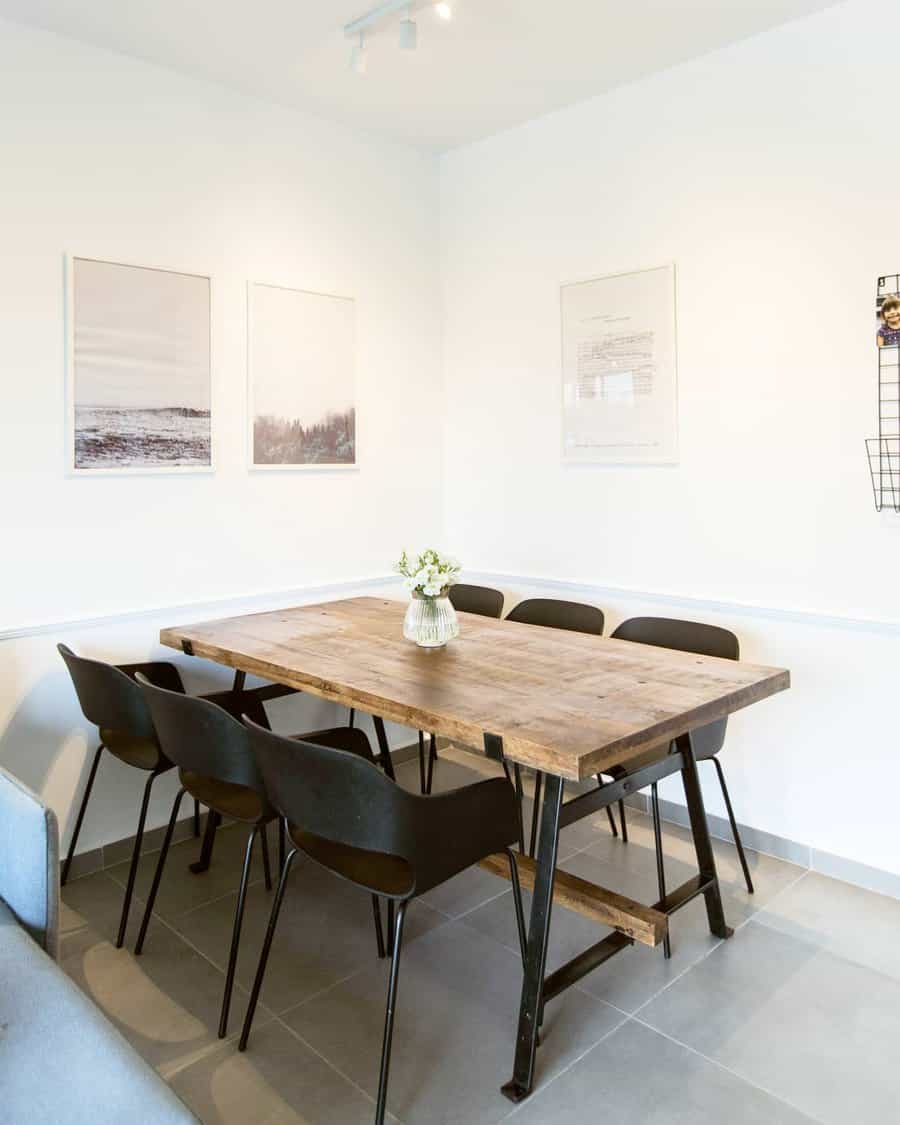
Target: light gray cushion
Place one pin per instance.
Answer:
(61, 1060)
(29, 861)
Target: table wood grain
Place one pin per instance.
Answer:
(565, 703)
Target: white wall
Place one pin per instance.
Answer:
(768, 173)
(105, 156)
(765, 171)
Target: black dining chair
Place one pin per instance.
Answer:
(347, 816)
(111, 700)
(577, 617)
(707, 741)
(217, 767)
(484, 602)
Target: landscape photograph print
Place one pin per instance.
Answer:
(302, 379)
(140, 368)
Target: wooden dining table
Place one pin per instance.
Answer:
(573, 706)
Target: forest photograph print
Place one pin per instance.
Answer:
(140, 369)
(302, 380)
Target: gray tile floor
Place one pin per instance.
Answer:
(795, 1019)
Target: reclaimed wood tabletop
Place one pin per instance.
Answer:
(563, 702)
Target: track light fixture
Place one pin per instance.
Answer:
(380, 16)
(408, 33)
(358, 59)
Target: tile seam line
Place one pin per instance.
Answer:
(446, 921)
(330, 1064)
(200, 905)
(566, 1069)
(712, 949)
(728, 1070)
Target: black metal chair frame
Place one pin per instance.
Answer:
(215, 762)
(348, 817)
(577, 617)
(707, 640)
(211, 750)
(111, 699)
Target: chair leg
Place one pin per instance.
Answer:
(734, 828)
(517, 901)
(432, 762)
(352, 716)
(379, 932)
(609, 813)
(196, 817)
(80, 817)
(148, 909)
(622, 820)
(135, 856)
(422, 773)
(389, 1018)
(535, 811)
(264, 953)
(390, 917)
(236, 932)
(660, 866)
(267, 868)
(213, 820)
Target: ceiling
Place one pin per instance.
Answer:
(496, 64)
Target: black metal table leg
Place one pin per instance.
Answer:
(520, 1084)
(706, 861)
(422, 785)
(535, 812)
(432, 760)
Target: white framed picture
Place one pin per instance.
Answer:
(138, 371)
(620, 401)
(301, 379)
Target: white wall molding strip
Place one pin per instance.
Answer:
(235, 604)
(813, 617)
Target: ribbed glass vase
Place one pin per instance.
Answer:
(430, 622)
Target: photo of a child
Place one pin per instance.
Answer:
(888, 309)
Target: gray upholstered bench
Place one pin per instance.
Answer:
(61, 1060)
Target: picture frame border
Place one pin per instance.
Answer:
(613, 462)
(70, 469)
(317, 467)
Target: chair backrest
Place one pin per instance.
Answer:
(556, 614)
(200, 737)
(108, 697)
(334, 793)
(338, 796)
(477, 599)
(686, 636)
(29, 861)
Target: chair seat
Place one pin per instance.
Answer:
(645, 758)
(142, 753)
(351, 739)
(387, 875)
(238, 802)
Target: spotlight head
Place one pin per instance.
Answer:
(408, 35)
(358, 54)
(444, 11)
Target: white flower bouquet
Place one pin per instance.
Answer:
(430, 575)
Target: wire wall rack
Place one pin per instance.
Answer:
(884, 451)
